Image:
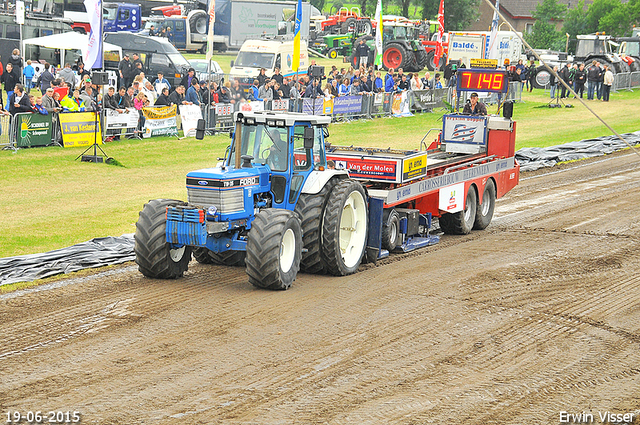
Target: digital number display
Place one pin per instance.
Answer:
(483, 80)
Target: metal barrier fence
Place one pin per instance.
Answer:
(343, 108)
(6, 140)
(626, 81)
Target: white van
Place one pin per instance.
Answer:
(268, 54)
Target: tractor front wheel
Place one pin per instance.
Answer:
(274, 249)
(155, 257)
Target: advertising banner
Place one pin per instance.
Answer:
(464, 129)
(400, 106)
(451, 198)
(190, 115)
(160, 121)
(79, 129)
(312, 106)
(347, 105)
(33, 130)
(280, 105)
(367, 168)
(256, 106)
(114, 120)
(224, 113)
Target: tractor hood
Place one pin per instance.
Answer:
(230, 190)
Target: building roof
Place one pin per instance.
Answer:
(525, 8)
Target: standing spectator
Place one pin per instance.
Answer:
(345, 88)
(49, 102)
(137, 70)
(355, 88)
(135, 59)
(163, 99)
(531, 75)
(110, 101)
(124, 101)
(427, 83)
(600, 80)
(82, 72)
(255, 90)
(10, 79)
(523, 71)
(581, 78)
(186, 80)
(437, 84)
(28, 73)
(16, 61)
(416, 83)
(192, 93)
(607, 83)
(262, 77)
(152, 31)
(45, 79)
(277, 76)
(403, 84)
(67, 74)
(362, 52)
(285, 87)
(72, 102)
(593, 73)
(365, 85)
(150, 92)
(18, 101)
(565, 75)
(553, 82)
(314, 89)
(161, 83)
(89, 101)
(266, 92)
(125, 68)
(378, 83)
(177, 97)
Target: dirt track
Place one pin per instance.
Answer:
(536, 315)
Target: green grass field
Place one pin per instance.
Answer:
(50, 200)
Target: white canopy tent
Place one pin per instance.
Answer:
(68, 41)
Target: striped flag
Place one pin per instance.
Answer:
(494, 33)
(439, 47)
(93, 56)
(295, 63)
(378, 18)
(212, 20)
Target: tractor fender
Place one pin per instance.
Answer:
(317, 179)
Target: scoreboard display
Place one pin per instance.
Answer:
(486, 80)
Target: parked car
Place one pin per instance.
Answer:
(200, 66)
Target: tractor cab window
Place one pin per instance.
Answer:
(267, 145)
(301, 156)
(318, 152)
(123, 15)
(278, 62)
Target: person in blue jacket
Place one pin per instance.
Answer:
(192, 92)
(28, 73)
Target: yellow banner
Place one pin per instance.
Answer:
(483, 63)
(414, 167)
(160, 112)
(79, 129)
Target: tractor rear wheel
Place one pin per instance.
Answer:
(344, 228)
(348, 25)
(198, 22)
(635, 65)
(431, 60)
(274, 248)
(310, 208)
(421, 58)
(484, 211)
(155, 257)
(394, 56)
(461, 222)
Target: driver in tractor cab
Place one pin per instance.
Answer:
(277, 159)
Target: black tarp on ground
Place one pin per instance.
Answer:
(94, 253)
(531, 159)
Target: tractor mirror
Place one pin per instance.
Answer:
(231, 64)
(309, 135)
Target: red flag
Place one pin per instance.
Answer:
(439, 47)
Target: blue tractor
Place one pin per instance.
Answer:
(272, 205)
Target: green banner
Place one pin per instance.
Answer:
(32, 130)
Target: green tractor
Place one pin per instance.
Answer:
(401, 47)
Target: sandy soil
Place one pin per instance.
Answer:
(536, 315)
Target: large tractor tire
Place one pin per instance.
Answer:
(624, 66)
(615, 69)
(332, 54)
(202, 255)
(198, 22)
(484, 211)
(154, 256)
(542, 78)
(431, 61)
(364, 26)
(421, 58)
(348, 25)
(462, 222)
(395, 56)
(390, 229)
(274, 249)
(226, 258)
(310, 208)
(344, 228)
(635, 65)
